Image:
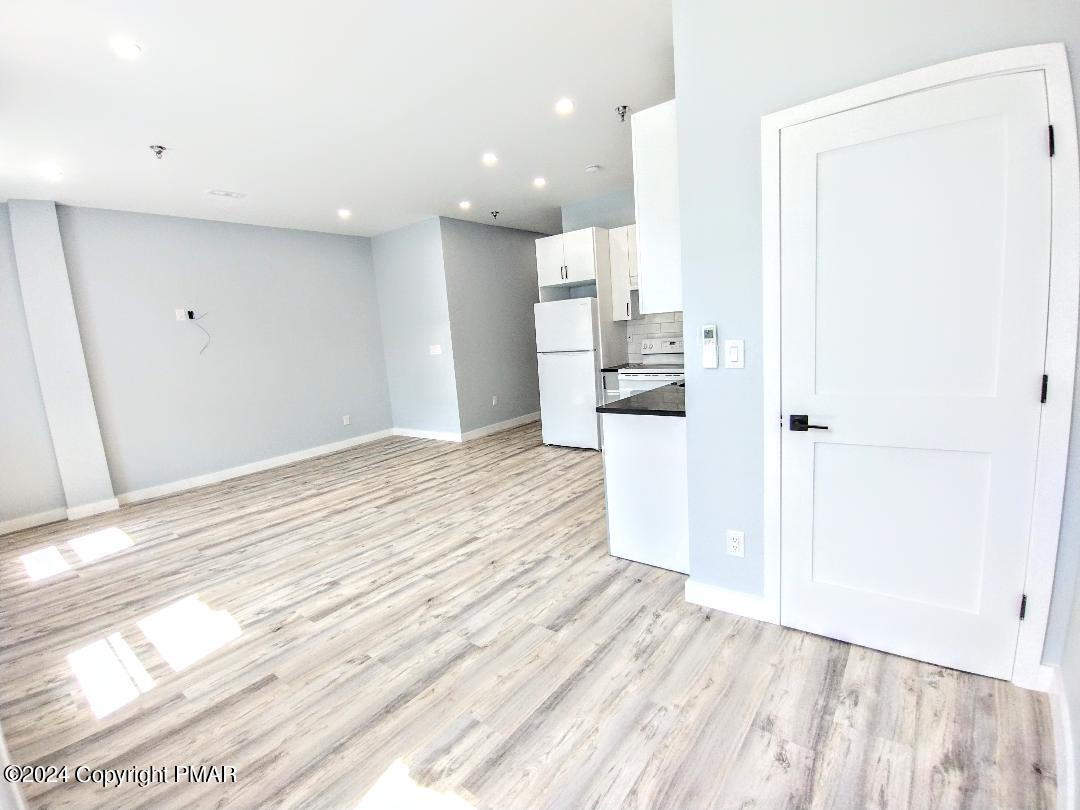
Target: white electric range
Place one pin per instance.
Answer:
(661, 364)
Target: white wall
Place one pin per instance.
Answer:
(29, 480)
(58, 356)
(295, 340)
(415, 315)
(491, 288)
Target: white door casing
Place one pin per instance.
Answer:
(917, 334)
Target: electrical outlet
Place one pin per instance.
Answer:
(435, 349)
(736, 543)
(346, 419)
(494, 400)
(181, 315)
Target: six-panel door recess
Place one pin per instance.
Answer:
(915, 264)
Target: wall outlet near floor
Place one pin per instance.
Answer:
(346, 419)
(736, 543)
(494, 400)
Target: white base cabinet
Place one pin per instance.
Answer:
(645, 482)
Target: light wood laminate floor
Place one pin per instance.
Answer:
(441, 625)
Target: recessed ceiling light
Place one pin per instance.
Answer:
(564, 106)
(592, 168)
(125, 48)
(539, 182)
(52, 172)
(220, 192)
(464, 205)
(489, 159)
(344, 213)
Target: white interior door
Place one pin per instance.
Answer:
(569, 394)
(915, 253)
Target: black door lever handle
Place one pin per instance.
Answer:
(801, 422)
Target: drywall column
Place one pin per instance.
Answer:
(58, 354)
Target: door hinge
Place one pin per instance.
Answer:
(1046, 383)
(1023, 606)
(1051, 129)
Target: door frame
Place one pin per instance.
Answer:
(1062, 314)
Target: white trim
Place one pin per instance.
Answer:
(751, 605)
(1061, 325)
(437, 435)
(30, 521)
(171, 488)
(1064, 744)
(498, 427)
(95, 508)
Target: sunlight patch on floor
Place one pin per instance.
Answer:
(188, 630)
(109, 674)
(100, 544)
(396, 790)
(45, 562)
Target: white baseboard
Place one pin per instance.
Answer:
(498, 427)
(438, 435)
(751, 605)
(173, 487)
(95, 508)
(30, 521)
(1064, 744)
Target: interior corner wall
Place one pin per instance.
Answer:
(611, 210)
(294, 341)
(56, 340)
(30, 489)
(415, 317)
(491, 287)
(785, 53)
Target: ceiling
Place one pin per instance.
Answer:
(382, 108)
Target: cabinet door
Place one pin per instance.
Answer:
(656, 196)
(619, 241)
(549, 261)
(579, 255)
(631, 238)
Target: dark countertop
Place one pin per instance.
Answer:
(649, 366)
(668, 400)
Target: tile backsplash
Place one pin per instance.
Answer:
(657, 324)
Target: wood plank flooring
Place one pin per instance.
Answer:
(429, 625)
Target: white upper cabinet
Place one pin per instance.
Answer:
(571, 258)
(623, 269)
(656, 197)
(579, 254)
(550, 268)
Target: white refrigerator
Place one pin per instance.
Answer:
(567, 341)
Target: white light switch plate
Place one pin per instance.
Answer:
(736, 543)
(734, 354)
(435, 349)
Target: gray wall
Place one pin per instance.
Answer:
(735, 62)
(415, 315)
(29, 479)
(295, 340)
(491, 288)
(604, 211)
